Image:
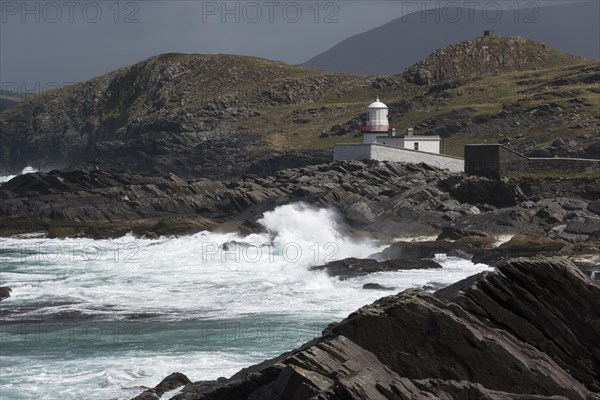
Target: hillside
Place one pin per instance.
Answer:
(510, 90)
(392, 47)
(224, 116)
(485, 56)
(189, 105)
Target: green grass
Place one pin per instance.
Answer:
(488, 97)
(224, 82)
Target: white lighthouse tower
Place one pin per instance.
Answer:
(377, 122)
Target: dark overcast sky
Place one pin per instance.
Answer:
(46, 43)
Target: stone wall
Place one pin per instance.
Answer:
(375, 151)
(495, 160)
(567, 165)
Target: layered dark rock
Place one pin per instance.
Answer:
(379, 199)
(528, 330)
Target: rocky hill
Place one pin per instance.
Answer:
(221, 116)
(525, 331)
(390, 48)
(486, 56)
(173, 104)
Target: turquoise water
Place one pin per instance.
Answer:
(104, 319)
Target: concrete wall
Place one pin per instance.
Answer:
(484, 160)
(429, 145)
(370, 137)
(397, 141)
(351, 152)
(426, 144)
(567, 165)
(495, 160)
(382, 152)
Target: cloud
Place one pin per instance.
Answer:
(48, 41)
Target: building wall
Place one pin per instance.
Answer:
(482, 160)
(382, 152)
(427, 145)
(568, 165)
(370, 137)
(495, 160)
(396, 141)
(351, 152)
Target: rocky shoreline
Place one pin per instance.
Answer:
(376, 197)
(528, 330)
(380, 200)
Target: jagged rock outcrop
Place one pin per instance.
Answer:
(528, 330)
(485, 56)
(169, 112)
(379, 199)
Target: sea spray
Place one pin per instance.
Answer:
(26, 170)
(101, 318)
(315, 233)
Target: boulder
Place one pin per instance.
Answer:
(455, 233)
(520, 246)
(4, 292)
(584, 225)
(376, 286)
(352, 267)
(574, 205)
(171, 382)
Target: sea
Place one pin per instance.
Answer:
(106, 319)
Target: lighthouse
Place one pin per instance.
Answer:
(377, 121)
(381, 143)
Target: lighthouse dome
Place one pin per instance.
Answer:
(378, 104)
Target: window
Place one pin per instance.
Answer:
(416, 145)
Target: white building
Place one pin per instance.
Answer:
(381, 143)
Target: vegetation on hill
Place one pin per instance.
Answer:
(486, 56)
(178, 107)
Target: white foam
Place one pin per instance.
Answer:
(171, 393)
(186, 278)
(26, 170)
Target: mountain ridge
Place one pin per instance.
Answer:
(390, 48)
(483, 56)
(209, 108)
